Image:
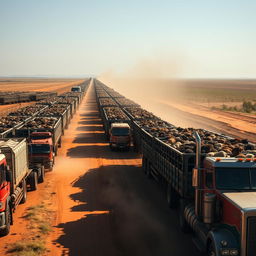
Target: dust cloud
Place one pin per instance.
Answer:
(149, 83)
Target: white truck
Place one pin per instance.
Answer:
(15, 175)
(76, 88)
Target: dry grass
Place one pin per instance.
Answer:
(39, 220)
(27, 248)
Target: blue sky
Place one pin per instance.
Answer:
(77, 38)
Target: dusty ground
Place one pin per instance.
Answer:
(54, 85)
(188, 103)
(234, 124)
(102, 202)
(33, 84)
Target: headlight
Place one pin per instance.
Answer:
(225, 252)
(233, 252)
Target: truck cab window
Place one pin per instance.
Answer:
(2, 174)
(209, 180)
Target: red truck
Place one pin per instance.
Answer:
(15, 176)
(43, 141)
(216, 201)
(120, 136)
(41, 149)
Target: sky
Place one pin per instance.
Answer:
(198, 39)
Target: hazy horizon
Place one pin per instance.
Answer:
(179, 39)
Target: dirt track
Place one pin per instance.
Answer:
(105, 205)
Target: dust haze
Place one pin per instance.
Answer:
(149, 82)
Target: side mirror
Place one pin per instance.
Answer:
(195, 178)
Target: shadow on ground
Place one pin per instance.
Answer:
(101, 151)
(124, 214)
(90, 128)
(91, 138)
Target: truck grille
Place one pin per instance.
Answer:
(251, 236)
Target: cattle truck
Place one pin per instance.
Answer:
(117, 128)
(216, 195)
(15, 175)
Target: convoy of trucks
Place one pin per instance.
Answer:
(210, 177)
(29, 141)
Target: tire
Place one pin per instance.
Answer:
(172, 197)
(185, 228)
(41, 177)
(33, 181)
(8, 220)
(24, 198)
(211, 249)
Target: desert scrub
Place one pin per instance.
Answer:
(27, 248)
(44, 228)
(33, 212)
(39, 223)
(246, 107)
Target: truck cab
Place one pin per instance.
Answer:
(120, 136)
(227, 203)
(223, 215)
(41, 149)
(76, 88)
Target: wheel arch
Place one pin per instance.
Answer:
(216, 236)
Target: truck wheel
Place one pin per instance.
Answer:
(24, 186)
(41, 177)
(8, 220)
(183, 223)
(172, 197)
(33, 181)
(211, 250)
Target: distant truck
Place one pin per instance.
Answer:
(76, 88)
(120, 136)
(41, 149)
(15, 175)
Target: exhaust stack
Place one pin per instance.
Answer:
(197, 176)
(198, 149)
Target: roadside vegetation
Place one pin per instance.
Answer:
(39, 220)
(246, 107)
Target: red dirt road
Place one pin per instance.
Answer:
(105, 205)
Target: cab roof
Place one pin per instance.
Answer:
(231, 162)
(120, 125)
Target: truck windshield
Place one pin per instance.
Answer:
(40, 149)
(120, 131)
(40, 137)
(75, 89)
(236, 178)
